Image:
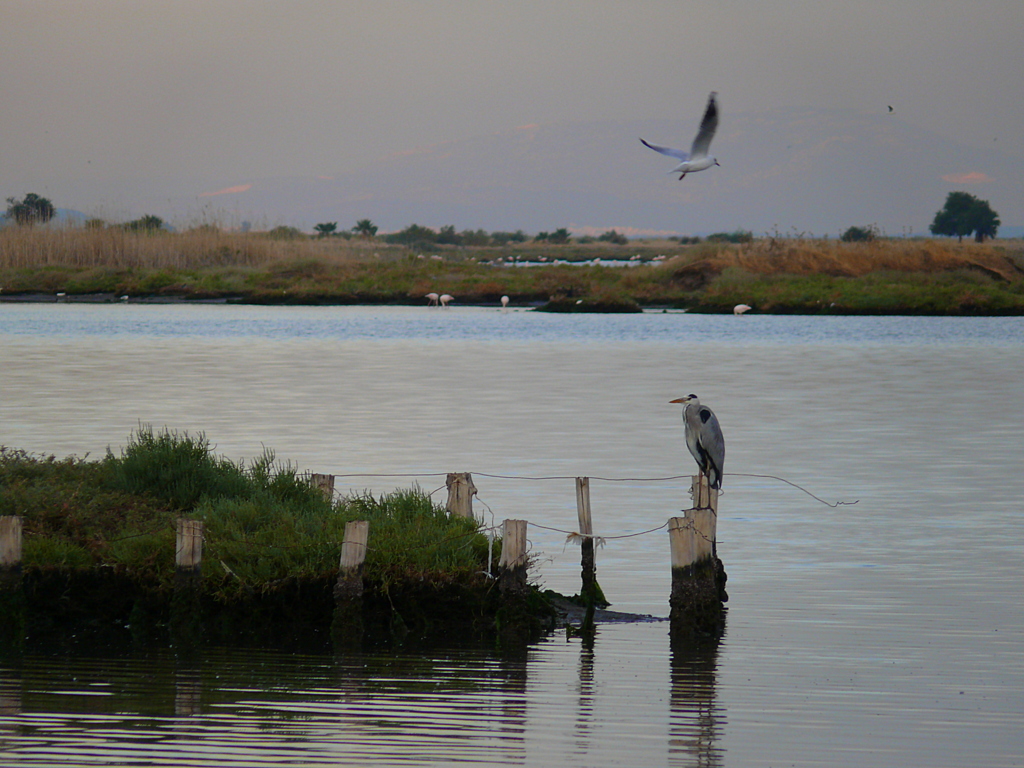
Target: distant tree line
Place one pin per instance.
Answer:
(962, 214)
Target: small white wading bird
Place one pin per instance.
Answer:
(431, 299)
(697, 158)
(704, 438)
(444, 299)
(739, 309)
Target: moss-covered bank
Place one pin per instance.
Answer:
(98, 560)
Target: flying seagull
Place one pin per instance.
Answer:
(697, 158)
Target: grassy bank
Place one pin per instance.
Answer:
(271, 543)
(771, 274)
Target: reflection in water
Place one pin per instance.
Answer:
(603, 703)
(232, 709)
(585, 704)
(696, 719)
(188, 690)
(854, 639)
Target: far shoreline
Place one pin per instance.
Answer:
(771, 275)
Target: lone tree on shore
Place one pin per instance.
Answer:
(32, 209)
(326, 229)
(962, 214)
(365, 228)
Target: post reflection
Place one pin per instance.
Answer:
(188, 689)
(10, 705)
(585, 693)
(512, 684)
(695, 718)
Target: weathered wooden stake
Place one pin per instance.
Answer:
(703, 495)
(682, 540)
(589, 588)
(186, 610)
(10, 542)
(353, 549)
(460, 493)
(512, 563)
(324, 482)
(698, 579)
(347, 624)
(12, 594)
(704, 527)
(514, 620)
(188, 550)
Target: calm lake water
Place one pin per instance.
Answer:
(889, 631)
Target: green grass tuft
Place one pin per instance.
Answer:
(263, 522)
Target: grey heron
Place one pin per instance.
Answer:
(704, 438)
(697, 158)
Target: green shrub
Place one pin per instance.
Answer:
(859, 235)
(738, 236)
(179, 469)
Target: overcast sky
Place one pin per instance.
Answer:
(222, 90)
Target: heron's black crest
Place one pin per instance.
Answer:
(705, 414)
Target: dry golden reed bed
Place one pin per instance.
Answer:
(113, 247)
(771, 256)
(204, 247)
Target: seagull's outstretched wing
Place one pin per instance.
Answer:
(708, 124)
(678, 153)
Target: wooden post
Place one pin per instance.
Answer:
(682, 542)
(704, 527)
(324, 482)
(586, 528)
(188, 550)
(460, 494)
(186, 608)
(588, 590)
(703, 495)
(12, 594)
(512, 563)
(516, 626)
(698, 579)
(353, 548)
(10, 542)
(347, 624)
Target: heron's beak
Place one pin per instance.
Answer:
(679, 400)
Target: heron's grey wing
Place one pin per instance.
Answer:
(708, 125)
(667, 150)
(713, 444)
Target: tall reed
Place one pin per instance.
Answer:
(797, 256)
(113, 247)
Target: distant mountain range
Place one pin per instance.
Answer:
(795, 170)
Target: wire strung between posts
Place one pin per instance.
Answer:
(523, 477)
(592, 477)
(576, 537)
(533, 478)
(798, 487)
